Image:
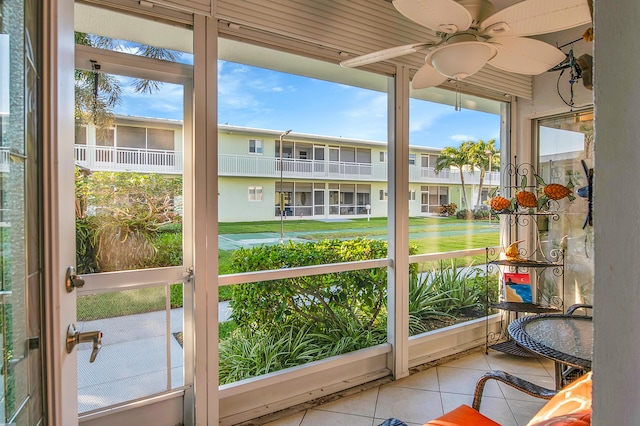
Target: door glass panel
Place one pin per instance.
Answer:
(566, 156)
(20, 243)
(129, 217)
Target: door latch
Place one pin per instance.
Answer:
(71, 280)
(74, 337)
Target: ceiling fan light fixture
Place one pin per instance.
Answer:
(461, 59)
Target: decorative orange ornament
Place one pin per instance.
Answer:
(499, 203)
(555, 191)
(527, 199)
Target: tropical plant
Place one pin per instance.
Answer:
(424, 301)
(458, 158)
(324, 300)
(119, 217)
(97, 93)
(481, 154)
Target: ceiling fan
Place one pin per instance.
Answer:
(470, 35)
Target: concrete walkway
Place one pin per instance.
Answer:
(135, 357)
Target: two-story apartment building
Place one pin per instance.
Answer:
(317, 176)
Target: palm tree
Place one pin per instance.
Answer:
(456, 157)
(98, 93)
(480, 154)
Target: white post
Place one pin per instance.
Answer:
(281, 191)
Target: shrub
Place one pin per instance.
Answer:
(481, 214)
(464, 214)
(323, 300)
(448, 209)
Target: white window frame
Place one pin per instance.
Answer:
(258, 146)
(255, 194)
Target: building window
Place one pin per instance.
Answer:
(383, 195)
(383, 157)
(412, 195)
(255, 193)
(412, 159)
(255, 146)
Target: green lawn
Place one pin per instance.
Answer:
(431, 235)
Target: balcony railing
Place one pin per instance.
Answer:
(249, 165)
(106, 158)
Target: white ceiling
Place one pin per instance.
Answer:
(102, 21)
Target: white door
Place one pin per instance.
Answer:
(133, 240)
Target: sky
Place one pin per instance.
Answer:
(256, 97)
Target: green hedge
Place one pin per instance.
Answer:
(329, 301)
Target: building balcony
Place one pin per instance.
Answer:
(111, 159)
(106, 158)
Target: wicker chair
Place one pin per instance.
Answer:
(513, 381)
(571, 309)
(572, 403)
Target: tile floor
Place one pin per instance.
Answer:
(428, 394)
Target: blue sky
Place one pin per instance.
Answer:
(256, 97)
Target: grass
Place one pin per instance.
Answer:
(449, 228)
(129, 302)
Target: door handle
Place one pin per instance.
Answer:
(71, 280)
(74, 337)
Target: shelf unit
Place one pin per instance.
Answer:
(542, 261)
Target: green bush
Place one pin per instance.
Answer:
(481, 214)
(323, 300)
(247, 353)
(466, 294)
(464, 214)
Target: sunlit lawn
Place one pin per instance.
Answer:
(430, 235)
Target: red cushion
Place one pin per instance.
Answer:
(462, 416)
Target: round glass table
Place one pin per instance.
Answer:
(565, 339)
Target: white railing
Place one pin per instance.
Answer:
(108, 158)
(251, 165)
(243, 165)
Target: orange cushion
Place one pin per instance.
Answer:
(462, 416)
(570, 406)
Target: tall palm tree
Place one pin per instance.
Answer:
(97, 93)
(459, 158)
(480, 154)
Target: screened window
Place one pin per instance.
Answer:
(132, 137)
(162, 139)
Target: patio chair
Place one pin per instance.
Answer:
(571, 309)
(569, 406)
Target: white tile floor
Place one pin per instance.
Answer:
(428, 394)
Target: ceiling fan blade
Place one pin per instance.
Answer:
(385, 54)
(531, 17)
(446, 16)
(427, 76)
(525, 55)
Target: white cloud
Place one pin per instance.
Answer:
(462, 138)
